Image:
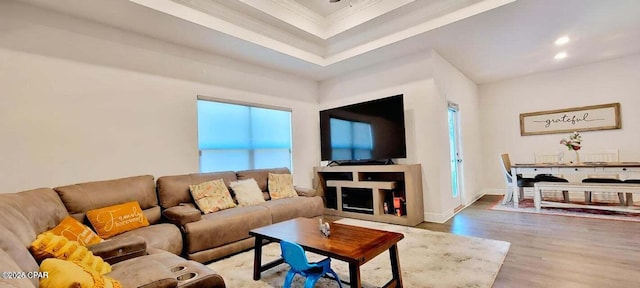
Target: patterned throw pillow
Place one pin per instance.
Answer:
(73, 230)
(281, 186)
(212, 196)
(117, 219)
(247, 192)
(49, 245)
(72, 274)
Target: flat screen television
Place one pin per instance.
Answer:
(367, 132)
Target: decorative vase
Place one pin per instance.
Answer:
(577, 157)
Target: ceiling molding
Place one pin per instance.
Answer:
(360, 12)
(206, 20)
(220, 20)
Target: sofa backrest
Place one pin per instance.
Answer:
(80, 198)
(7, 264)
(23, 216)
(262, 177)
(173, 190)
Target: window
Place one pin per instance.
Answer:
(234, 137)
(350, 139)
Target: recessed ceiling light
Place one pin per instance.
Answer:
(562, 40)
(560, 55)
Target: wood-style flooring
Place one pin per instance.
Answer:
(554, 251)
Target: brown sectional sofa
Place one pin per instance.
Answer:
(147, 256)
(219, 234)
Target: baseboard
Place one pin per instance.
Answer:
(494, 191)
(438, 218)
(441, 218)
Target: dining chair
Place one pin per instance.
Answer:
(293, 254)
(548, 157)
(610, 155)
(524, 182)
(630, 195)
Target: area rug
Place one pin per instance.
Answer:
(427, 259)
(526, 206)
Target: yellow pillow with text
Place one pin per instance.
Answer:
(72, 229)
(117, 219)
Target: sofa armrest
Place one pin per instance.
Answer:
(116, 250)
(307, 192)
(182, 214)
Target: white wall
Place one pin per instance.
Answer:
(502, 102)
(83, 102)
(455, 87)
(425, 117)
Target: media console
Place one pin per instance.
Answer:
(362, 192)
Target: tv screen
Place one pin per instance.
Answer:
(372, 130)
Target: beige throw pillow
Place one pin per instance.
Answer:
(281, 186)
(212, 196)
(247, 192)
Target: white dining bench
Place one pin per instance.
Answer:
(626, 188)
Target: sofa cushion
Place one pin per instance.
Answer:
(73, 274)
(247, 192)
(117, 219)
(11, 245)
(223, 227)
(31, 212)
(182, 214)
(7, 264)
(261, 176)
(144, 272)
(72, 229)
(281, 186)
(80, 198)
(212, 196)
(164, 236)
(176, 265)
(173, 190)
(289, 208)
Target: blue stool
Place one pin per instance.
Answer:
(293, 254)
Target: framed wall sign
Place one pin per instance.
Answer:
(587, 118)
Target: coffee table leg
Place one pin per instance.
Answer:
(395, 265)
(354, 275)
(257, 258)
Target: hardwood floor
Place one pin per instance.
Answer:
(554, 251)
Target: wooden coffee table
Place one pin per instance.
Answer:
(352, 244)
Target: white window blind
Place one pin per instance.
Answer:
(234, 137)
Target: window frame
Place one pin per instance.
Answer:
(251, 105)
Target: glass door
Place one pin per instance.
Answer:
(454, 152)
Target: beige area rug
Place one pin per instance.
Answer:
(427, 259)
(526, 206)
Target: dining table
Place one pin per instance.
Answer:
(623, 169)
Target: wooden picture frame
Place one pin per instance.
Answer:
(586, 118)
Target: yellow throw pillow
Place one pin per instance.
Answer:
(212, 196)
(117, 219)
(61, 273)
(49, 245)
(281, 186)
(73, 230)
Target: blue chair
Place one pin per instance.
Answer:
(293, 254)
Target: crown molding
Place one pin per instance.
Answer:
(258, 37)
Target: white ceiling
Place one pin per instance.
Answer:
(488, 40)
